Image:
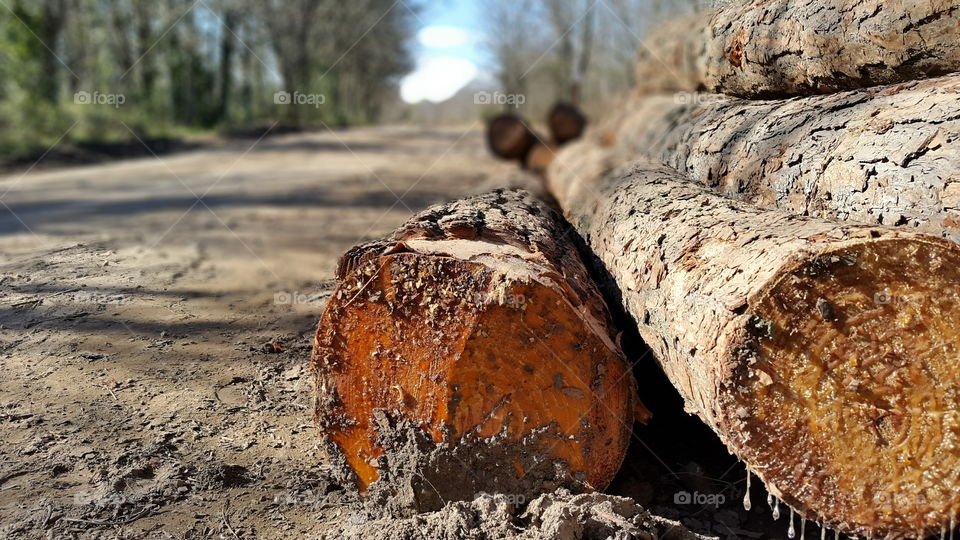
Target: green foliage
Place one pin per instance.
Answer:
(177, 65)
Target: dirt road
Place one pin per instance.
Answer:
(136, 298)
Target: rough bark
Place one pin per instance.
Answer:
(823, 355)
(577, 168)
(512, 178)
(477, 323)
(779, 48)
(889, 155)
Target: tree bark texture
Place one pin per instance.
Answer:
(888, 155)
(780, 48)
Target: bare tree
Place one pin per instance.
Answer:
(229, 14)
(514, 31)
(572, 23)
(46, 20)
(582, 51)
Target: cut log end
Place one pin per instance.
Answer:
(508, 137)
(495, 356)
(479, 340)
(566, 123)
(850, 407)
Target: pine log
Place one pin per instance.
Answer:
(540, 157)
(477, 323)
(577, 167)
(823, 355)
(508, 137)
(673, 57)
(566, 123)
(888, 155)
(780, 48)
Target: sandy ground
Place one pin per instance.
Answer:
(136, 297)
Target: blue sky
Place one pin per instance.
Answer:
(449, 51)
(463, 14)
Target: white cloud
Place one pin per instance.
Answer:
(443, 37)
(437, 79)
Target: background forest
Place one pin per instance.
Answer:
(175, 69)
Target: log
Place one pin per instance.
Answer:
(577, 167)
(508, 137)
(539, 157)
(780, 48)
(477, 324)
(566, 123)
(672, 58)
(888, 155)
(823, 355)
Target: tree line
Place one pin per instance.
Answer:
(164, 66)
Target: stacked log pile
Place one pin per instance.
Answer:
(727, 243)
(791, 262)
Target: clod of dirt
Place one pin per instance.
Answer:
(420, 475)
(414, 498)
(559, 515)
(221, 476)
(272, 348)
